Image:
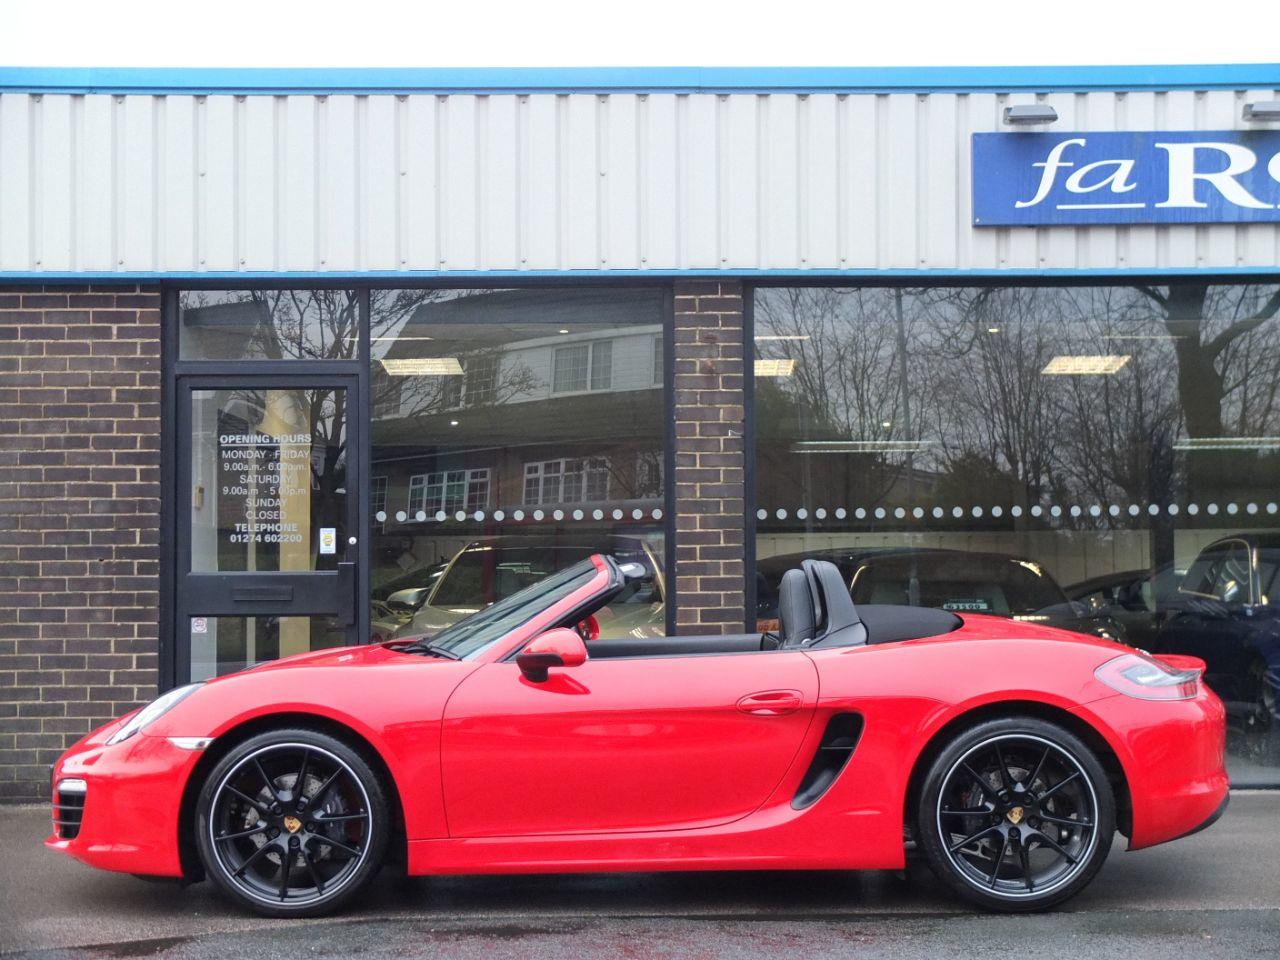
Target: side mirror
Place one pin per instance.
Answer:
(555, 648)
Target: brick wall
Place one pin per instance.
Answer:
(79, 518)
(709, 466)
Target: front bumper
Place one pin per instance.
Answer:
(1174, 759)
(132, 801)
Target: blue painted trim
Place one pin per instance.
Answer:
(244, 279)
(616, 79)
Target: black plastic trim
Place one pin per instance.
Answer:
(1209, 821)
(839, 741)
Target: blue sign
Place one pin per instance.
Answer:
(1055, 179)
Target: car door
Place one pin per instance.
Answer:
(623, 744)
(1216, 616)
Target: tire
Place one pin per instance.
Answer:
(284, 852)
(1016, 815)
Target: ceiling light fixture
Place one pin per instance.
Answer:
(393, 336)
(1085, 365)
(774, 368)
(861, 446)
(422, 366)
(1226, 443)
(782, 336)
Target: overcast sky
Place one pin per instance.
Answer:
(453, 33)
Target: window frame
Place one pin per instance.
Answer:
(593, 350)
(469, 475)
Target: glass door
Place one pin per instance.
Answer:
(267, 519)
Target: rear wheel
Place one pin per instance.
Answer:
(291, 823)
(1016, 814)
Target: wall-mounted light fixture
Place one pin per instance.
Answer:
(1264, 110)
(1030, 113)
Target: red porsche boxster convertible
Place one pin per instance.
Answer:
(514, 742)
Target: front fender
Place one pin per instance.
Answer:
(395, 708)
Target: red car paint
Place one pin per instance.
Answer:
(652, 763)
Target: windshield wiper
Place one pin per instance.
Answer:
(433, 649)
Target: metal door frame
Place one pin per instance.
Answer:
(266, 604)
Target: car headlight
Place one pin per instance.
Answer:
(1148, 679)
(152, 712)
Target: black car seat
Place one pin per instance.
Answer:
(797, 624)
(837, 623)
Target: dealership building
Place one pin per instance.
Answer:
(299, 358)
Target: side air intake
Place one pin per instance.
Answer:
(839, 741)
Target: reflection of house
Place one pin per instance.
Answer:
(513, 346)
(476, 412)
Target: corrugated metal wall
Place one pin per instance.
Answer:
(555, 182)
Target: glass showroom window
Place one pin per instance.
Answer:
(521, 424)
(268, 325)
(1103, 459)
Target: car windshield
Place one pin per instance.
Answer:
(472, 634)
(962, 583)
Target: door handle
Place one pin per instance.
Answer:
(771, 703)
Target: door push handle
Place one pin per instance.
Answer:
(771, 703)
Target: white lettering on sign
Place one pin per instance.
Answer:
(1051, 165)
(1188, 164)
(1183, 174)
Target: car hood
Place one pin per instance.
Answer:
(364, 655)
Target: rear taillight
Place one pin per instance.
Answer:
(1142, 677)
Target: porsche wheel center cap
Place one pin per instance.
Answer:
(1015, 816)
(293, 824)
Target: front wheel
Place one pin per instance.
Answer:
(291, 823)
(1016, 815)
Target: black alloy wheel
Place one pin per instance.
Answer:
(1016, 815)
(291, 823)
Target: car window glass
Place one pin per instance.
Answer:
(1200, 576)
(472, 634)
(638, 610)
(960, 584)
(1231, 578)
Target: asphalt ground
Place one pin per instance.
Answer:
(1215, 894)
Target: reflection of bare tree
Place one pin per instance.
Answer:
(1217, 337)
(1121, 427)
(491, 376)
(998, 404)
(845, 384)
(1200, 361)
(295, 324)
(1228, 370)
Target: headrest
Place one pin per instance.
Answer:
(796, 621)
(835, 610)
